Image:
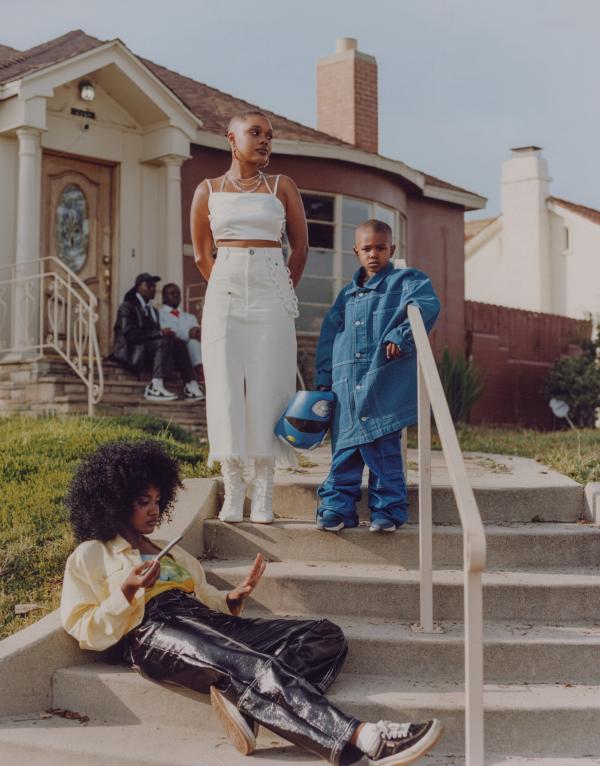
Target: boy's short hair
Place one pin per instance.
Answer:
(378, 226)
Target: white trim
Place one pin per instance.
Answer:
(358, 157)
(43, 81)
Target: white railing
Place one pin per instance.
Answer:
(44, 306)
(431, 397)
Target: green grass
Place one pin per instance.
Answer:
(37, 460)
(575, 453)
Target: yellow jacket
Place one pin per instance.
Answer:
(93, 608)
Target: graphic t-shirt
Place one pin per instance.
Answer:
(172, 575)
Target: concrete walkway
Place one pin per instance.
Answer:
(485, 470)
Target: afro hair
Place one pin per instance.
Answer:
(106, 483)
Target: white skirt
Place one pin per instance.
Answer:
(249, 353)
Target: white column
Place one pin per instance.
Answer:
(171, 258)
(29, 200)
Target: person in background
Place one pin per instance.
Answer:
(366, 353)
(139, 340)
(186, 328)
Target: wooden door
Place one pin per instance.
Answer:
(78, 227)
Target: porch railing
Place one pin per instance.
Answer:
(44, 306)
(431, 397)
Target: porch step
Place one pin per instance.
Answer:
(296, 498)
(546, 719)
(515, 546)
(382, 591)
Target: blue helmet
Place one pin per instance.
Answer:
(306, 419)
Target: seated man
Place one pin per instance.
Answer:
(184, 325)
(139, 339)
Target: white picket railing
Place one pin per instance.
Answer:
(431, 397)
(44, 306)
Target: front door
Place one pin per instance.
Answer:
(78, 227)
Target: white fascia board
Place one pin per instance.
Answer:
(357, 157)
(482, 237)
(44, 81)
(456, 197)
(568, 214)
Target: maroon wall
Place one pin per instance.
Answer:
(435, 230)
(436, 245)
(515, 350)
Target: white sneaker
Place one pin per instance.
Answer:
(238, 729)
(262, 495)
(192, 390)
(232, 510)
(158, 393)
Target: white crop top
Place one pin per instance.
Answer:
(246, 215)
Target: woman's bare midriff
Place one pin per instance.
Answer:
(247, 243)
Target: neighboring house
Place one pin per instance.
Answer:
(541, 253)
(101, 150)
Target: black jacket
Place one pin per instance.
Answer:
(133, 329)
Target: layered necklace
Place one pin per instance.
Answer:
(246, 185)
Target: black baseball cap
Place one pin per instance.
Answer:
(145, 277)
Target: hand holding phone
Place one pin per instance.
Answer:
(167, 548)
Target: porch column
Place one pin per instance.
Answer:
(25, 331)
(172, 256)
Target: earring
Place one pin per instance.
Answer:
(234, 152)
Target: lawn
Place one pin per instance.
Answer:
(37, 459)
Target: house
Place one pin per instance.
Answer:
(101, 150)
(541, 252)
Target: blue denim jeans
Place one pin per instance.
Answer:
(341, 490)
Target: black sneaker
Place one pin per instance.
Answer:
(403, 743)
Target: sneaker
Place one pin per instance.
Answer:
(403, 743)
(192, 390)
(331, 521)
(381, 522)
(240, 731)
(158, 393)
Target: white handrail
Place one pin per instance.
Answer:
(432, 398)
(44, 294)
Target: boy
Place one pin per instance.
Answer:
(366, 353)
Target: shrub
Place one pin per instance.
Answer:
(462, 382)
(576, 380)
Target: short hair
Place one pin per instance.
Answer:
(109, 480)
(239, 118)
(169, 284)
(377, 226)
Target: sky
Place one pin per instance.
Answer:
(460, 81)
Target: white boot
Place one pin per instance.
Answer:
(262, 495)
(232, 509)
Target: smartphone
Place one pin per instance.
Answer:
(167, 548)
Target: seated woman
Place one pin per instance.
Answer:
(169, 624)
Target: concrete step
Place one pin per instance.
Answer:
(524, 719)
(296, 499)
(384, 591)
(519, 546)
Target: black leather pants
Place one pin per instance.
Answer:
(275, 671)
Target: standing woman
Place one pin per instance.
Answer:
(248, 332)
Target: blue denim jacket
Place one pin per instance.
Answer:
(375, 396)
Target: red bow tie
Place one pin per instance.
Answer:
(175, 312)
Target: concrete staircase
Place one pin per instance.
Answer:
(49, 386)
(542, 668)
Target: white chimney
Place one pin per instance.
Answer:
(526, 229)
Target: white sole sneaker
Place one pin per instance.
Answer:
(236, 727)
(412, 754)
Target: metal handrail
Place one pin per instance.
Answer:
(52, 293)
(431, 397)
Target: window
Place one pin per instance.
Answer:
(332, 220)
(567, 240)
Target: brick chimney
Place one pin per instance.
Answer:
(347, 95)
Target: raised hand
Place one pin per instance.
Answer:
(237, 596)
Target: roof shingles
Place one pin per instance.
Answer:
(212, 106)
